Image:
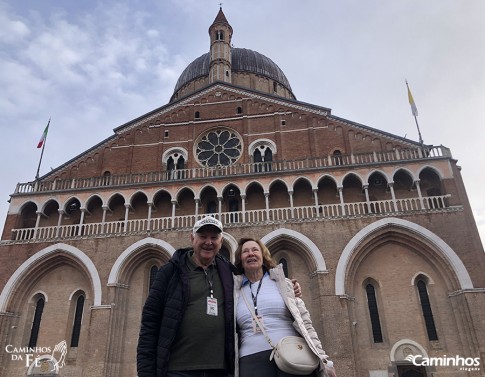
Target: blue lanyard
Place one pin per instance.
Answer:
(255, 298)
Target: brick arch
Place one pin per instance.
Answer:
(365, 234)
(131, 252)
(404, 170)
(230, 243)
(438, 172)
(180, 150)
(44, 256)
(25, 204)
(377, 171)
(266, 142)
(309, 246)
(304, 179)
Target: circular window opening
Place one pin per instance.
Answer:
(218, 148)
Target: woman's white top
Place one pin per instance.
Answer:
(277, 319)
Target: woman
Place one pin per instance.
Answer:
(270, 296)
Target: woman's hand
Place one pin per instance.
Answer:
(296, 288)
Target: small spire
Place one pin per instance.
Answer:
(220, 18)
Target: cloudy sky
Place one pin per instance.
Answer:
(91, 66)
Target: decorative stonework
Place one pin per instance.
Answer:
(221, 147)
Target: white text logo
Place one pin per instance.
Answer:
(464, 363)
(40, 357)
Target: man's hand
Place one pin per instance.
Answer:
(296, 288)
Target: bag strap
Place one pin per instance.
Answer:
(255, 317)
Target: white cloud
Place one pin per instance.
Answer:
(12, 30)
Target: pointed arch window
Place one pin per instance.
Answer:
(337, 157)
(262, 151)
(219, 35)
(258, 159)
(172, 168)
(34, 332)
(374, 313)
(78, 316)
(106, 178)
(268, 158)
(175, 165)
(153, 275)
(170, 164)
(426, 309)
(284, 263)
(263, 156)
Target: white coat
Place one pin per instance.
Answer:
(302, 321)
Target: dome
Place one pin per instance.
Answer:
(242, 60)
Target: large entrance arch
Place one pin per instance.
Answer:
(419, 232)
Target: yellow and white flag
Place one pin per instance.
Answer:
(414, 109)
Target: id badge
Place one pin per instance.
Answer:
(256, 327)
(212, 306)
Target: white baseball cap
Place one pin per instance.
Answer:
(207, 220)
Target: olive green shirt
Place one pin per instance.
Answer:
(199, 343)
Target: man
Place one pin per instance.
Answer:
(187, 326)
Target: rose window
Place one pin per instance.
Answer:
(218, 148)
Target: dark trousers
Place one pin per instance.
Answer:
(197, 373)
(259, 365)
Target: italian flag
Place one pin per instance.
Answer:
(44, 136)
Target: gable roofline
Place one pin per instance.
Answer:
(374, 131)
(75, 158)
(293, 103)
(248, 93)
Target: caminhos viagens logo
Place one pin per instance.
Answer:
(463, 363)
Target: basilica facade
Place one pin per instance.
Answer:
(377, 229)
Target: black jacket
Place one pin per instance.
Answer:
(164, 309)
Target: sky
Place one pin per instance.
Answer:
(91, 66)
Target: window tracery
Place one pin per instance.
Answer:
(218, 148)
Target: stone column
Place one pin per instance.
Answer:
(103, 221)
(37, 221)
(243, 207)
(149, 218)
(418, 188)
(59, 221)
(366, 191)
(219, 200)
(341, 196)
(174, 202)
(127, 211)
(266, 201)
(315, 198)
(393, 195)
(292, 209)
(81, 221)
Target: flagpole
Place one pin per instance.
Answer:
(42, 153)
(415, 113)
(419, 132)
